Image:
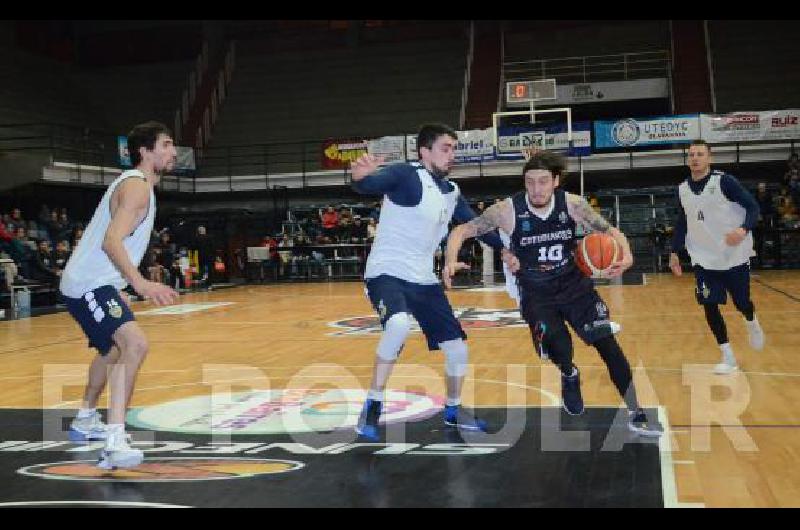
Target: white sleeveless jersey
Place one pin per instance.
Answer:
(408, 236)
(89, 267)
(709, 216)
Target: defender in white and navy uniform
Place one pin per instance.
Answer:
(419, 203)
(713, 206)
(91, 283)
(399, 275)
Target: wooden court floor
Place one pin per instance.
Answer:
(733, 441)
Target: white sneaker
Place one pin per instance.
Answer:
(755, 334)
(725, 368)
(117, 453)
(88, 429)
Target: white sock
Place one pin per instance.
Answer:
(85, 413)
(453, 402)
(114, 432)
(727, 353)
(375, 395)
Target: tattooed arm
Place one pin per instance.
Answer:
(583, 213)
(500, 215)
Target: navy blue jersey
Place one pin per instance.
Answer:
(545, 247)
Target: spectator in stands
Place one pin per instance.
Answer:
(358, 232)
(205, 252)
(166, 254)
(61, 254)
(375, 213)
(16, 220)
(152, 265)
(766, 204)
(21, 233)
(44, 268)
(480, 208)
(345, 213)
(330, 222)
(10, 245)
(76, 238)
(787, 208)
(44, 214)
(313, 228)
(345, 231)
(372, 229)
(66, 227)
(53, 225)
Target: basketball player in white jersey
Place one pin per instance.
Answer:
(715, 227)
(418, 204)
(106, 261)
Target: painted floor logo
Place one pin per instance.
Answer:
(175, 469)
(183, 309)
(471, 318)
(279, 411)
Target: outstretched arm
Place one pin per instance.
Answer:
(498, 215)
(583, 213)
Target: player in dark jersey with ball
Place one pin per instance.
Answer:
(541, 223)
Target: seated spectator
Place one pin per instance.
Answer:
(21, 234)
(787, 208)
(372, 230)
(345, 230)
(43, 266)
(15, 220)
(78, 234)
(793, 162)
(480, 208)
(345, 213)
(66, 227)
(330, 222)
(61, 254)
(358, 232)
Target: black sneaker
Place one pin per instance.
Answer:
(641, 425)
(571, 393)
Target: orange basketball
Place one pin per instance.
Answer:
(595, 253)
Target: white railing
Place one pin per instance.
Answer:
(676, 158)
(585, 69)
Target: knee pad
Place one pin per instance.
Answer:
(455, 357)
(394, 336)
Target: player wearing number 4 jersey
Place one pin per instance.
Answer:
(540, 223)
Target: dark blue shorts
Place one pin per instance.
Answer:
(713, 286)
(100, 313)
(426, 303)
(587, 313)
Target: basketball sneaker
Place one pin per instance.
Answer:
(755, 334)
(571, 393)
(88, 428)
(367, 425)
(456, 416)
(641, 425)
(118, 453)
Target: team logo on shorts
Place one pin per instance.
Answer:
(174, 469)
(471, 318)
(114, 309)
(382, 309)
